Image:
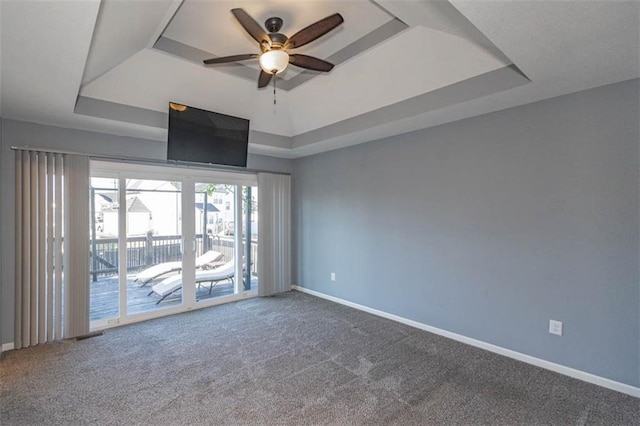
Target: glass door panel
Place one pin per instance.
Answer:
(153, 244)
(250, 236)
(215, 240)
(103, 233)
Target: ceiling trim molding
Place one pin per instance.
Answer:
(147, 117)
(347, 132)
(366, 127)
(164, 23)
(119, 112)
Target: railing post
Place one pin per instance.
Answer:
(205, 222)
(148, 258)
(248, 253)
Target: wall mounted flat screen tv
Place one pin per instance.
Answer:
(200, 136)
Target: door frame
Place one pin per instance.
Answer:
(188, 176)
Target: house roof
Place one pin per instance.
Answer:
(210, 207)
(135, 205)
(113, 65)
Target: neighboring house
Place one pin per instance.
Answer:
(138, 218)
(209, 221)
(164, 200)
(155, 206)
(222, 199)
(152, 206)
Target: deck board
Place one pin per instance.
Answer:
(104, 297)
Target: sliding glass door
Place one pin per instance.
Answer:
(222, 230)
(103, 258)
(215, 231)
(168, 241)
(153, 243)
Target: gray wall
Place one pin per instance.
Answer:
(19, 133)
(1, 220)
(489, 227)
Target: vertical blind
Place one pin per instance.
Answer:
(52, 247)
(274, 234)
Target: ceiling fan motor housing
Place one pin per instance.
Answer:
(278, 40)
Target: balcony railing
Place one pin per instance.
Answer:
(146, 251)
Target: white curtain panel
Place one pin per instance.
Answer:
(52, 219)
(274, 233)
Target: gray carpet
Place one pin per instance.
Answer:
(290, 359)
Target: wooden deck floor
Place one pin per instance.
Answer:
(104, 296)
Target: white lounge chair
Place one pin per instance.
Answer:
(172, 284)
(156, 271)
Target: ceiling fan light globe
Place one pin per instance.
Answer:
(274, 61)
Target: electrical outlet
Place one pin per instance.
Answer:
(555, 327)
(333, 276)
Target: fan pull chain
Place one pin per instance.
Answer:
(274, 88)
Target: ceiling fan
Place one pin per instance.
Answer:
(275, 46)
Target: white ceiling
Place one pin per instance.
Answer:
(400, 65)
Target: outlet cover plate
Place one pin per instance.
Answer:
(555, 327)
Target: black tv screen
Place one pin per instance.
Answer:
(200, 136)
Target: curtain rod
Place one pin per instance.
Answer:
(150, 161)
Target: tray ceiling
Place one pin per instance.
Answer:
(112, 65)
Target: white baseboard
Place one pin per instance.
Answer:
(7, 347)
(558, 368)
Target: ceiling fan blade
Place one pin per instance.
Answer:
(310, 63)
(264, 79)
(227, 59)
(314, 31)
(251, 26)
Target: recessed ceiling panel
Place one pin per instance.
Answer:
(211, 27)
